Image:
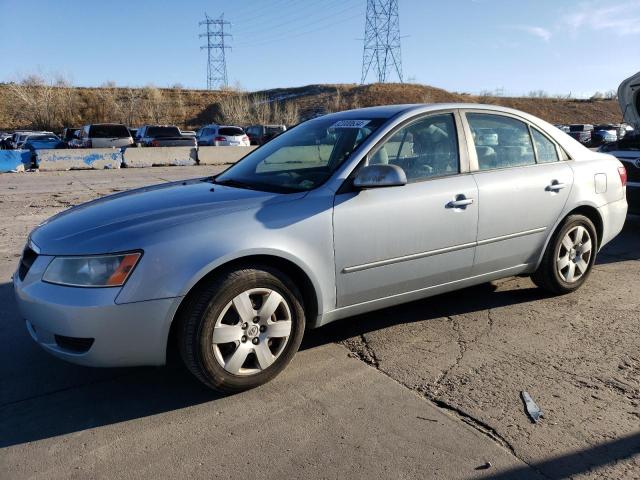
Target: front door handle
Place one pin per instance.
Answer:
(460, 202)
(555, 186)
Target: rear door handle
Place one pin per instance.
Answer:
(555, 186)
(460, 202)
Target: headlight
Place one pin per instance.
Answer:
(92, 271)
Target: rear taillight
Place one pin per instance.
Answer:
(220, 139)
(623, 175)
(155, 143)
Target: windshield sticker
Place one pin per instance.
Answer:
(350, 124)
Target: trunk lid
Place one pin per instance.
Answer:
(629, 100)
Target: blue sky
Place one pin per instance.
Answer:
(559, 46)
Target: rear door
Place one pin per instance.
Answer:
(395, 240)
(523, 185)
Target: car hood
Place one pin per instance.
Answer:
(125, 221)
(629, 99)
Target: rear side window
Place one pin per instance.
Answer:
(109, 131)
(500, 142)
(545, 149)
(231, 131)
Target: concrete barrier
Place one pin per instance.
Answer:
(221, 155)
(159, 156)
(14, 160)
(78, 158)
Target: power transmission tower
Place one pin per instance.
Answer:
(216, 51)
(382, 40)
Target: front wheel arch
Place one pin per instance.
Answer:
(297, 274)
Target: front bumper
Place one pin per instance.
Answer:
(130, 334)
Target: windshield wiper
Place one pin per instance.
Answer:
(230, 182)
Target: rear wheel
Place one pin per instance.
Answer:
(569, 257)
(242, 328)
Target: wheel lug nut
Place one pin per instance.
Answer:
(263, 328)
(244, 338)
(245, 325)
(256, 319)
(255, 341)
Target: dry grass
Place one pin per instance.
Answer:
(192, 108)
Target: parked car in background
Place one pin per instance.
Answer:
(603, 134)
(68, 134)
(134, 133)
(43, 141)
(188, 133)
(5, 141)
(222, 135)
(581, 132)
(163, 136)
(105, 135)
(331, 219)
(261, 134)
(627, 150)
(22, 138)
(564, 128)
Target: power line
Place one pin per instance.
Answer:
(382, 40)
(302, 28)
(216, 51)
(306, 32)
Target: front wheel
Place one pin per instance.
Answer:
(242, 328)
(569, 257)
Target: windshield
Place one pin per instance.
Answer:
(230, 131)
(109, 131)
(163, 132)
(302, 158)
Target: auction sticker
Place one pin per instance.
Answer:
(350, 124)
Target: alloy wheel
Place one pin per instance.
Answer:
(252, 331)
(574, 255)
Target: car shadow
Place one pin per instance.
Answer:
(582, 461)
(625, 247)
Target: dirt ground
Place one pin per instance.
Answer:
(470, 353)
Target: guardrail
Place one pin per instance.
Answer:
(101, 158)
(14, 160)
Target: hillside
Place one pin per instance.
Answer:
(55, 107)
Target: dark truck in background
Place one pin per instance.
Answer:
(581, 132)
(163, 136)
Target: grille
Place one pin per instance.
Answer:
(633, 172)
(74, 344)
(27, 259)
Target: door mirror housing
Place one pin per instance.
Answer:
(378, 176)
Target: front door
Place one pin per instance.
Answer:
(394, 240)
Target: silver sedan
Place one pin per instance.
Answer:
(341, 215)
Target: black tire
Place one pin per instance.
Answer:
(547, 276)
(204, 306)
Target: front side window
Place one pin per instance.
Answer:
(545, 149)
(302, 158)
(424, 149)
(500, 142)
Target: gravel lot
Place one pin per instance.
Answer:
(462, 357)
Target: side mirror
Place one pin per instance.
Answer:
(378, 176)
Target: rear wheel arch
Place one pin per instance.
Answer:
(287, 267)
(588, 211)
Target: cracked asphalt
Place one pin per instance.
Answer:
(430, 389)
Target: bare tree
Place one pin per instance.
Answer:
(261, 109)
(290, 114)
(235, 108)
